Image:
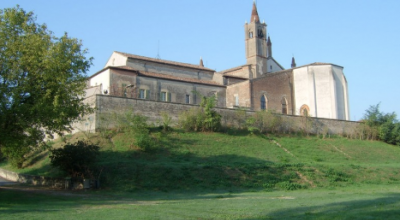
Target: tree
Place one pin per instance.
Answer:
(77, 159)
(386, 123)
(42, 81)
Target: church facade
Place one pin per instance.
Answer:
(317, 89)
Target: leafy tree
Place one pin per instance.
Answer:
(212, 120)
(204, 118)
(75, 159)
(386, 123)
(42, 81)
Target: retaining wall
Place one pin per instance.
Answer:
(107, 107)
(33, 180)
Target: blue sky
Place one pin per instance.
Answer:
(363, 36)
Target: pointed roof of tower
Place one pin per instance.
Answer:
(201, 62)
(254, 14)
(269, 43)
(293, 62)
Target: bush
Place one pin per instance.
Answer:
(203, 118)
(166, 121)
(287, 185)
(77, 160)
(384, 126)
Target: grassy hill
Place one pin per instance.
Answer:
(233, 160)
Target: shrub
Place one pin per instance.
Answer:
(204, 118)
(251, 125)
(77, 159)
(287, 185)
(166, 121)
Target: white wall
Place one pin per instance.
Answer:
(103, 79)
(116, 59)
(323, 88)
(275, 66)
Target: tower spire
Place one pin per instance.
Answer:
(269, 47)
(201, 62)
(254, 14)
(293, 62)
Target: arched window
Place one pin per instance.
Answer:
(284, 106)
(250, 34)
(304, 110)
(263, 101)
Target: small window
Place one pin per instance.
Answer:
(142, 94)
(163, 96)
(236, 100)
(263, 103)
(250, 34)
(284, 106)
(305, 110)
(187, 99)
(270, 67)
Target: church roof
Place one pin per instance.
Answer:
(161, 76)
(318, 64)
(133, 56)
(254, 14)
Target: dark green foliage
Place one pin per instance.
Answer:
(336, 176)
(250, 125)
(138, 129)
(42, 81)
(386, 124)
(166, 123)
(287, 185)
(77, 160)
(204, 118)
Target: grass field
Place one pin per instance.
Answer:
(231, 175)
(234, 161)
(355, 202)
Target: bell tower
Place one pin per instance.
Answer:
(256, 43)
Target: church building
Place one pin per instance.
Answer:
(316, 90)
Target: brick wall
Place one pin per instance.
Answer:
(274, 87)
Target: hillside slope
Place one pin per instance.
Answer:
(236, 160)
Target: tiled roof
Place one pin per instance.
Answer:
(318, 64)
(227, 71)
(165, 76)
(165, 61)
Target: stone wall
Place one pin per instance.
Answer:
(33, 180)
(109, 107)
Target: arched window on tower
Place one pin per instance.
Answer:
(284, 106)
(263, 101)
(250, 34)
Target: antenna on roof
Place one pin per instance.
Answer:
(158, 51)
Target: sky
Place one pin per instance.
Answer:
(363, 36)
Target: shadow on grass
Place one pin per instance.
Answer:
(380, 208)
(19, 204)
(171, 166)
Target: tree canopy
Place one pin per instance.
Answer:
(387, 125)
(42, 82)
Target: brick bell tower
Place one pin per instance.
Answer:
(256, 43)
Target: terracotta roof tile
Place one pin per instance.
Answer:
(165, 61)
(164, 76)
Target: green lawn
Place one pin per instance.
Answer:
(235, 161)
(356, 202)
(230, 175)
